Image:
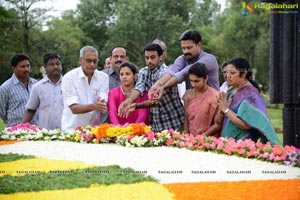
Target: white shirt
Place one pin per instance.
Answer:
(77, 90)
(47, 98)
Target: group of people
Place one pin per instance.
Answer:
(153, 95)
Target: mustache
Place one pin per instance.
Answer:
(187, 54)
(118, 62)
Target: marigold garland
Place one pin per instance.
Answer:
(250, 190)
(8, 142)
(100, 131)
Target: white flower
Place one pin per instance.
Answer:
(13, 137)
(127, 144)
(39, 135)
(4, 137)
(62, 137)
(47, 138)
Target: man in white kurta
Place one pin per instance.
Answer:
(85, 92)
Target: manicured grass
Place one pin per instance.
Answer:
(2, 125)
(12, 157)
(79, 178)
(275, 116)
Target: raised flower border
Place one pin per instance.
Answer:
(141, 135)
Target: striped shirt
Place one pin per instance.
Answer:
(13, 98)
(168, 112)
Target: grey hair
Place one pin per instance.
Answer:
(161, 43)
(85, 49)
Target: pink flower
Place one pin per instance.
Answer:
(170, 142)
(277, 150)
(130, 137)
(289, 149)
(181, 144)
(79, 128)
(150, 135)
(241, 151)
(86, 137)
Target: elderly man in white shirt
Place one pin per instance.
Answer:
(85, 92)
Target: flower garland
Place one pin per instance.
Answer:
(140, 135)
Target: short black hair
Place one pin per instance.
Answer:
(18, 58)
(154, 47)
(49, 56)
(199, 70)
(191, 35)
(130, 65)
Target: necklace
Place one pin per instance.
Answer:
(125, 92)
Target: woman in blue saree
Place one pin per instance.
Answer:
(244, 109)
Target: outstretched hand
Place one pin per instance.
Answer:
(156, 94)
(130, 109)
(123, 108)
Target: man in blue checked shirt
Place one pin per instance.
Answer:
(14, 92)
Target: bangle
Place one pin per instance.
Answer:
(226, 111)
(136, 106)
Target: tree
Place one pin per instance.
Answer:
(63, 37)
(29, 18)
(95, 17)
(141, 21)
(8, 34)
(237, 35)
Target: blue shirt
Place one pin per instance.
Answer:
(180, 68)
(13, 98)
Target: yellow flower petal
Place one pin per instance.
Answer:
(136, 191)
(39, 165)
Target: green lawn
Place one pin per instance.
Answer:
(275, 115)
(2, 125)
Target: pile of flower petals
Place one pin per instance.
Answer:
(140, 135)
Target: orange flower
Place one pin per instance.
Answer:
(100, 131)
(251, 190)
(8, 142)
(138, 129)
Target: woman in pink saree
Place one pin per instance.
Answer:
(200, 104)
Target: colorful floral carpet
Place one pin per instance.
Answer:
(67, 170)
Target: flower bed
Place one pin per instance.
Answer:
(83, 181)
(140, 135)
